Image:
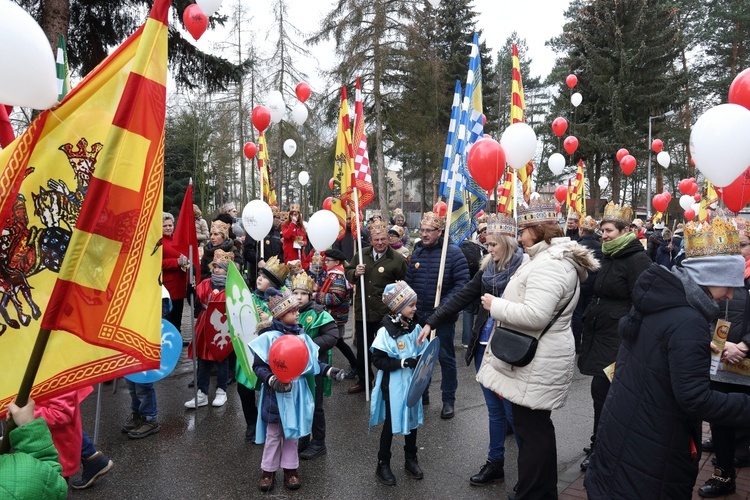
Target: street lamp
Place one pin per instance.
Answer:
(648, 174)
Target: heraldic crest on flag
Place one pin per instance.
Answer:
(80, 208)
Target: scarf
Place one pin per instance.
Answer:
(397, 245)
(286, 329)
(218, 281)
(399, 325)
(611, 248)
(696, 297)
(495, 281)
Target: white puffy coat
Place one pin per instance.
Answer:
(542, 285)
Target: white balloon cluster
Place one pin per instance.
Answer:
(275, 103)
(686, 201)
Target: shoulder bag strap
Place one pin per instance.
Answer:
(559, 313)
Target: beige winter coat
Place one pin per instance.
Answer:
(533, 296)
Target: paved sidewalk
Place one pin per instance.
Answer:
(576, 491)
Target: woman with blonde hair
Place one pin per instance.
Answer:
(498, 266)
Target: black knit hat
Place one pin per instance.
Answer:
(335, 254)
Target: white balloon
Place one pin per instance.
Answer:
(290, 147)
(663, 159)
(603, 182)
(719, 143)
(209, 6)
(696, 207)
(686, 201)
(576, 99)
(556, 163)
(257, 219)
(28, 77)
(519, 143)
(323, 229)
(434, 3)
(275, 100)
(277, 115)
(299, 113)
(303, 178)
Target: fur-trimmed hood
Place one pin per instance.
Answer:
(564, 248)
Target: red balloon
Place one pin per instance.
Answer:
(480, 213)
(621, 153)
(484, 120)
(684, 186)
(571, 80)
(195, 20)
(303, 91)
(697, 197)
(657, 145)
(288, 357)
(570, 144)
(561, 193)
(693, 188)
(559, 126)
(660, 203)
(692, 162)
(487, 136)
(440, 208)
(736, 195)
(486, 161)
(327, 203)
(739, 91)
(261, 117)
(250, 150)
(668, 195)
(689, 214)
(330, 183)
(627, 164)
(557, 208)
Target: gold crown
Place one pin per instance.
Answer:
(274, 210)
(719, 237)
(397, 212)
(501, 225)
(218, 226)
(294, 207)
(295, 266)
(589, 224)
(279, 305)
(284, 216)
(222, 257)
(741, 225)
(81, 152)
(377, 227)
(574, 216)
(397, 229)
(432, 219)
(316, 259)
(302, 281)
(536, 214)
(617, 213)
(278, 269)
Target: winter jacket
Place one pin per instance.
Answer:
(422, 275)
(172, 275)
(335, 294)
(664, 256)
(391, 267)
(540, 287)
(654, 240)
(291, 232)
(739, 331)
(326, 335)
(201, 230)
(612, 291)
(208, 256)
(649, 437)
(271, 246)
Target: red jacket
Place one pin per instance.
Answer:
(206, 294)
(289, 232)
(173, 277)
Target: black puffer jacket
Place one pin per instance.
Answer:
(660, 394)
(611, 301)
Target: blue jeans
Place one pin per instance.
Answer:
(204, 374)
(467, 315)
(87, 447)
(447, 359)
(143, 400)
(499, 409)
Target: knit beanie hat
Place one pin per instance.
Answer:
(716, 270)
(281, 303)
(398, 295)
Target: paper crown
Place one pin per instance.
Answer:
(397, 295)
(220, 227)
(536, 214)
(396, 229)
(281, 304)
(589, 223)
(275, 270)
(375, 213)
(302, 281)
(274, 210)
(294, 207)
(284, 216)
(295, 267)
(574, 216)
(316, 259)
(741, 223)
(397, 212)
(501, 225)
(432, 219)
(617, 213)
(377, 227)
(223, 258)
(719, 237)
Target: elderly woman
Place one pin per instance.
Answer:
(540, 297)
(173, 271)
(497, 267)
(648, 440)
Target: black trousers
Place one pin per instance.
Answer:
(386, 438)
(372, 329)
(599, 389)
(345, 349)
(725, 437)
(249, 408)
(319, 418)
(537, 454)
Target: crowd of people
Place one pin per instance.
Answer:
(633, 305)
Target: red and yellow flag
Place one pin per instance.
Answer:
(505, 194)
(343, 166)
(264, 165)
(578, 195)
(80, 206)
(185, 238)
(517, 110)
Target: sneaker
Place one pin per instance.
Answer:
(146, 428)
(220, 398)
(718, 485)
(313, 451)
(202, 401)
(94, 467)
(133, 422)
(350, 374)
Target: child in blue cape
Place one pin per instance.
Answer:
(286, 410)
(395, 354)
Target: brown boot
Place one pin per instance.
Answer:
(291, 479)
(266, 481)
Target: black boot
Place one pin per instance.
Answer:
(412, 466)
(384, 473)
(719, 485)
(489, 473)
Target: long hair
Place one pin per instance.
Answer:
(507, 244)
(546, 232)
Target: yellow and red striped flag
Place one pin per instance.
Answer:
(81, 206)
(264, 165)
(517, 110)
(505, 194)
(343, 165)
(578, 196)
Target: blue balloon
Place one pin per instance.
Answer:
(171, 348)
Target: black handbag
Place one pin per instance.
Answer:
(516, 348)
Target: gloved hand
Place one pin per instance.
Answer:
(336, 374)
(409, 363)
(277, 385)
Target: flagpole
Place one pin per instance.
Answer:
(446, 237)
(191, 301)
(362, 294)
(262, 246)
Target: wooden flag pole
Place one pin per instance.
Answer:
(363, 295)
(446, 237)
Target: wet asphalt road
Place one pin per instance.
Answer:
(203, 454)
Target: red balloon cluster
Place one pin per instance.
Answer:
(195, 21)
(736, 195)
(660, 202)
(689, 214)
(688, 186)
(250, 149)
(571, 80)
(440, 208)
(621, 153)
(559, 126)
(739, 91)
(570, 144)
(288, 357)
(627, 164)
(303, 91)
(486, 161)
(657, 145)
(561, 193)
(261, 117)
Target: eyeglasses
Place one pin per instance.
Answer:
(330, 260)
(428, 230)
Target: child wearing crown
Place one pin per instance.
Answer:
(286, 408)
(395, 354)
(207, 291)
